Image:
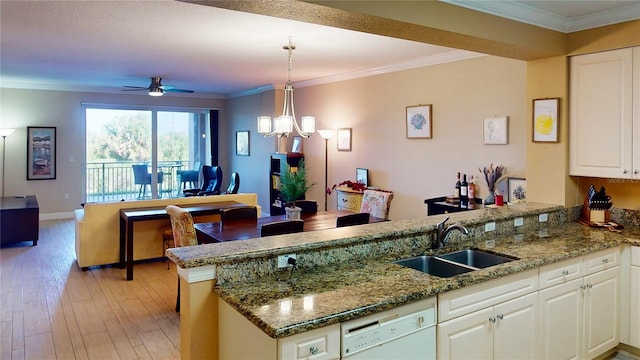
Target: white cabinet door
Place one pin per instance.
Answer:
(634, 308)
(561, 321)
(601, 120)
(601, 312)
(515, 333)
(467, 337)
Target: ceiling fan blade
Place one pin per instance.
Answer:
(134, 88)
(178, 90)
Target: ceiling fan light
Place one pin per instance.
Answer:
(156, 92)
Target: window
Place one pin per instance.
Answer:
(142, 153)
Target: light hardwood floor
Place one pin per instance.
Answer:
(50, 309)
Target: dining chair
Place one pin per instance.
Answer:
(184, 233)
(307, 206)
(352, 219)
(282, 227)
(376, 203)
(142, 177)
(234, 184)
(212, 181)
(238, 213)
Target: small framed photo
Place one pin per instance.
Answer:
(344, 139)
(41, 153)
(296, 146)
(496, 130)
(242, 143)
(419, 122)
(517, 190)
(546, 114)
(362, 176)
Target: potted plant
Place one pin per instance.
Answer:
(293, 186)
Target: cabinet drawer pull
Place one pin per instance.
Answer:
(313, 350)
(625, 171)
(583, 287)
(589, 286)
(492, 319)
(500, 316)
(605, 260)
(635, 171)
(565, 272)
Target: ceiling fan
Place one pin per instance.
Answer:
(156, 88)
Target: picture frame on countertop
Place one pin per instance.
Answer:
(496, 130)
(296, 146)
(344, 139)
(546, 119)
(362, 176)
(41, 153)
(242, 143)
(517, 189)
(418, 121)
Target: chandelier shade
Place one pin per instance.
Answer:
(286, 123)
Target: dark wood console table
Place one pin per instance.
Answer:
(130, 216)
(19, 218)
(440, 205)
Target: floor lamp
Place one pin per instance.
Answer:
(4, 133)
(326, 135)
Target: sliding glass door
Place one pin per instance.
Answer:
(143, 153)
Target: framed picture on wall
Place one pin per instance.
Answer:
(344, 139)
(545, 120)
(496, 130)
(418, 122)
(242, 143)
(41, 153)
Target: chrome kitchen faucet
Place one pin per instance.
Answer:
(439, 236)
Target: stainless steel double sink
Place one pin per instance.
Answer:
(455, 263)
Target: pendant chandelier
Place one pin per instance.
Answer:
(284, 124)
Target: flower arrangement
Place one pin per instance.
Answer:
(491, 176)
(356, 186)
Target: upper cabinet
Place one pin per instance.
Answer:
(605, 114)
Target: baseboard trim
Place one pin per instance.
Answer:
(56, 216)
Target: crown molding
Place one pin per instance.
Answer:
(534, 16)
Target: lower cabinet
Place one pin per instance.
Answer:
(503, 331)
(634, 290)
(241, 339)
(579, 318)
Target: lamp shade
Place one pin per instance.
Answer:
(283, 124)
(264, 124)
(326, 134)
(308, 124)
(6, 132)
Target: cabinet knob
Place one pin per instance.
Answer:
(583, 287)
(605, 260)
(492, 319)
(635, 171)
(313, 350)
(589, 286)
(500, 316)
(565, 272)
(625, 171)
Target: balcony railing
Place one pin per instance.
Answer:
(114, 181)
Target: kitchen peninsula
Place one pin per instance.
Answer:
(349, 273)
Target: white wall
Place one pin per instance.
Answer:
(462, 94)
(62, 109)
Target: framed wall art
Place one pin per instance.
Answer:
(545, 120)
(296, 147)
(344, 139)
(242, 143)
(419, 122)
(496, 130)
(517, 190)
(41, 153)
(362, 176)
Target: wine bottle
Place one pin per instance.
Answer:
(464, 188)
(456, 194)
(471, 190)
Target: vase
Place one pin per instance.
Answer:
(490, 198)
(292, 212)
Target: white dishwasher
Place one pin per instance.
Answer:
(405, 332)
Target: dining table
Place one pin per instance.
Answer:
(214, 232)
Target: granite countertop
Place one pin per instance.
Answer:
(282, 305)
